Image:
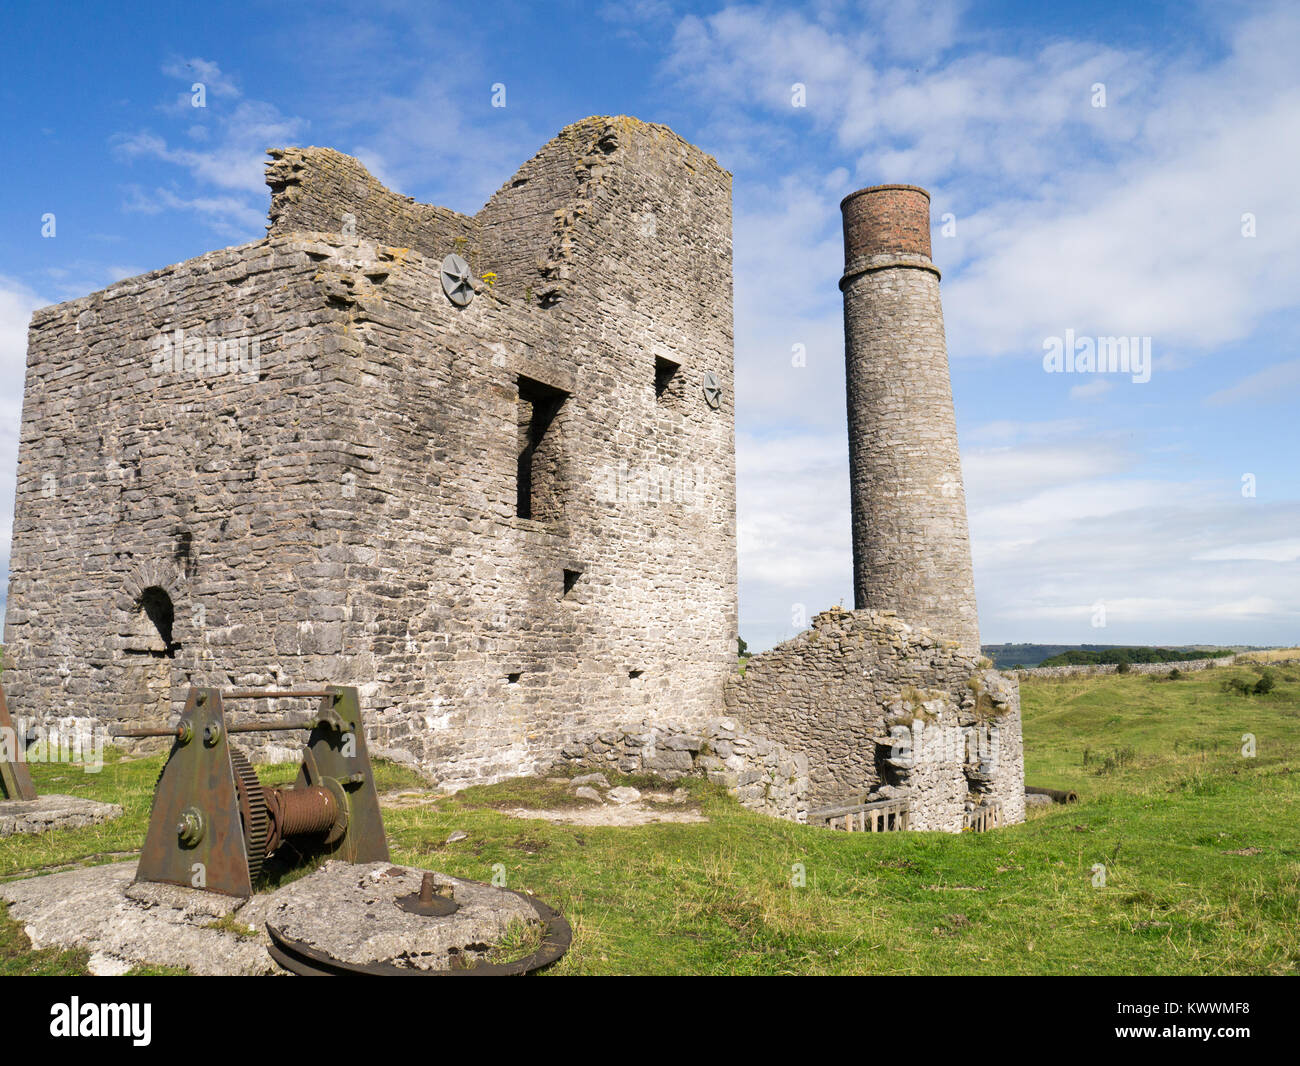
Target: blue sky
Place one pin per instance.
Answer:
(1129, 219)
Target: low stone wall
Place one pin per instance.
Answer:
(1091, 670)
(885, 710)
(762, 774)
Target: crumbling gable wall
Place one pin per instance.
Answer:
(323, 191)
(882, 708)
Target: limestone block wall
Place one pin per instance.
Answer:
(319, 190)
(763, 775)
(175, 430)
(884, 709)
(347, 509)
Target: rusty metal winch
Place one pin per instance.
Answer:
(214, 823)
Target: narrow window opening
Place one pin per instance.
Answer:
(634, 674)
(513, 679)
(571, 579)
(156, 606)
(665, 371)
(538, 494)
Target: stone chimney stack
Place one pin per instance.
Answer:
(911, 546)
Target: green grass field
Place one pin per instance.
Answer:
(1201, 848)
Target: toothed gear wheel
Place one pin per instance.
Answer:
(252, 811)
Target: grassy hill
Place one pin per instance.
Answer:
(1201, 848)
(1129, 654)
(1005, 656)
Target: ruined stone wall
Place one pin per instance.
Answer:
(884, 709)
(352, 515)
(319, 190)
(760, 773)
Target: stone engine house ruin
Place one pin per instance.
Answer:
(483, 468)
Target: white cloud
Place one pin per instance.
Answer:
(792, 531)
(229, 138)
(230, 215)
(422, 139)
(1272, 384)
(204, 71)
(1124, 220)
(1014, 472)
(1273, 551)
(1091, 390)
(1007, 431)
(1172, 561)
(236, 159)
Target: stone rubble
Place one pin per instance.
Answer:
(762, 775)
(53, 812)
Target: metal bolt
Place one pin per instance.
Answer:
(429, 888)
(191, 826)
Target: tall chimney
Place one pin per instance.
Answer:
(911, 547)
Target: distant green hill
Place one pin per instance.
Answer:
(1005, 656)
(1112, 656)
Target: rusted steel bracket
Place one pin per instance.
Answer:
(307, 961)
(15, 778)
(213, 824)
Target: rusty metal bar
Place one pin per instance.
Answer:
(274, 694)
(1059, 795)
(242, 727)
(174, 731)
(271, 727)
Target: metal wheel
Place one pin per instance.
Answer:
(252, 811)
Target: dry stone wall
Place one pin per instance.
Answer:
(1096, 669)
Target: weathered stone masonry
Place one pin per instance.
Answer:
(892, 701)
(507, 517)
(347, 511)
(840, 692)
(760, 773)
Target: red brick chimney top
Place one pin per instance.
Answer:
(886, 219)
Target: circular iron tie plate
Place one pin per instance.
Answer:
(457, 280)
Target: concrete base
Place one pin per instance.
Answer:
(345, 910)
(53, 812)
